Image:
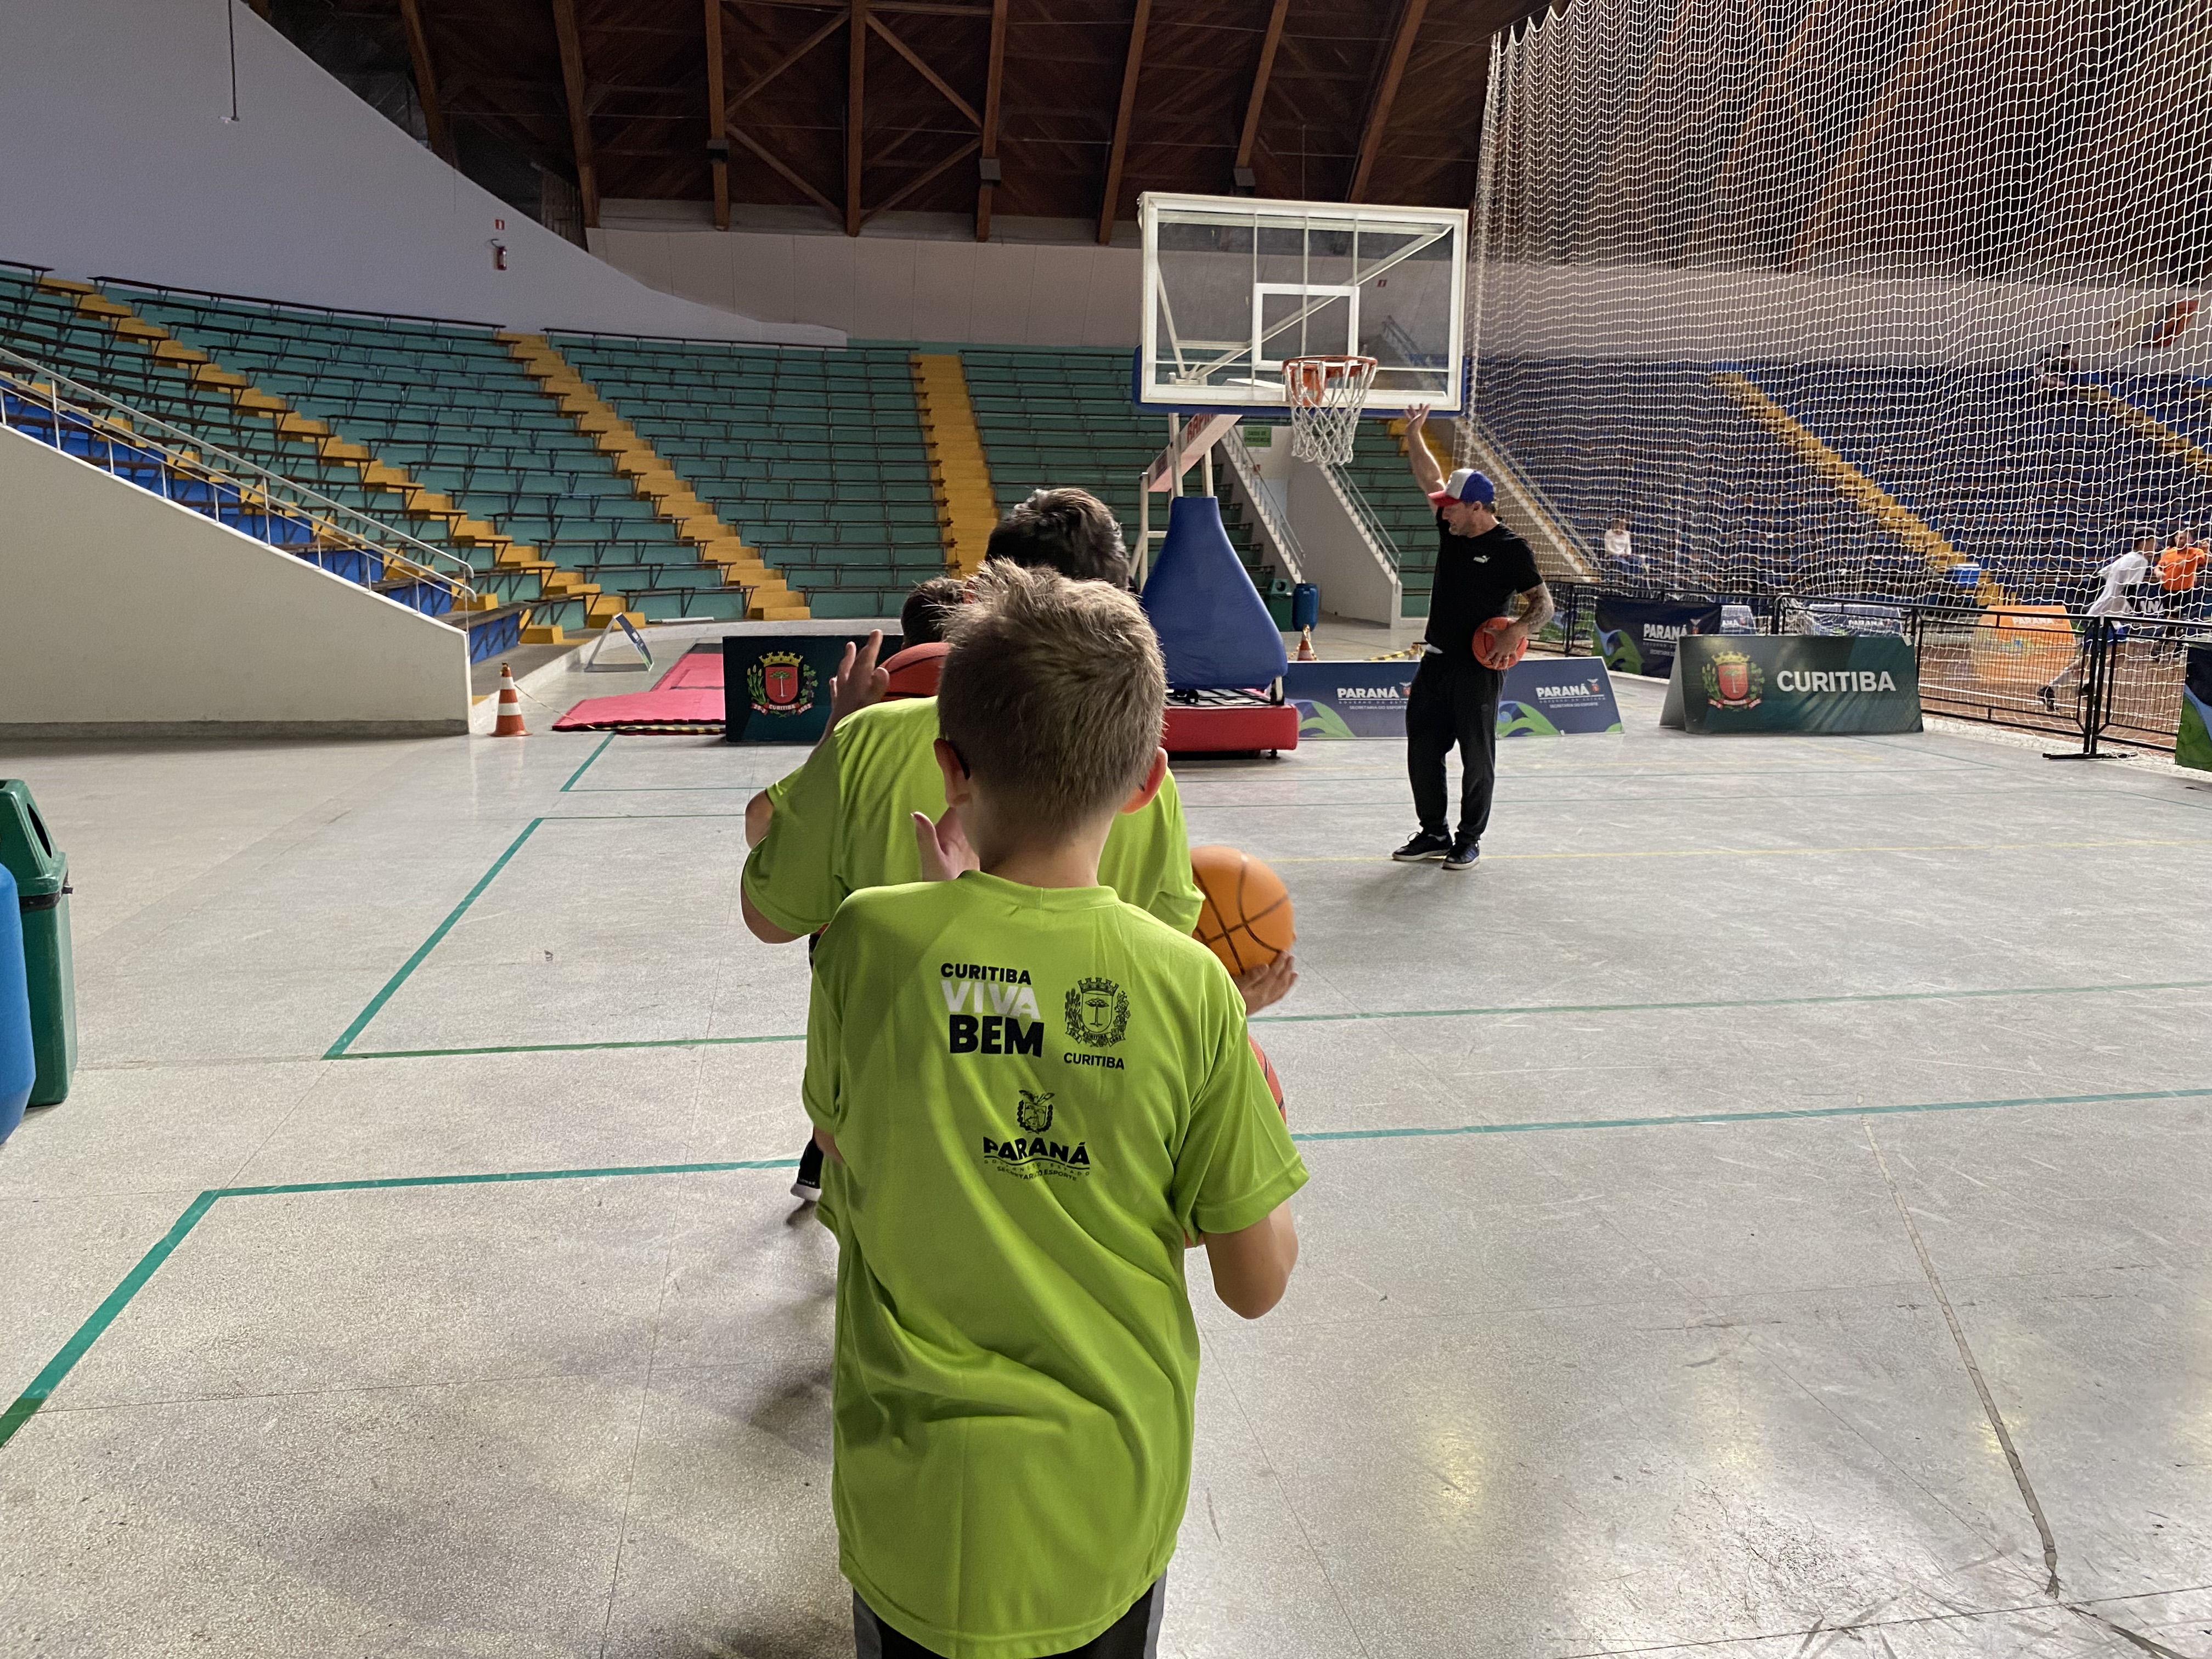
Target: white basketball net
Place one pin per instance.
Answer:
(1325, 396)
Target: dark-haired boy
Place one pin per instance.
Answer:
(1030, 1093)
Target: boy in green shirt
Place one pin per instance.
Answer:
(1030, 1093)
(840, 823)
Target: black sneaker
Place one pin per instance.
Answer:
(1464, 852)
(807, 1189)
(1428, 844)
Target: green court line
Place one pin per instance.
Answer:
(1364, 1014)
(1778, 1115)
(567, 1047)
(1746, 1002)
(27, 1404)
(495, 1177)
(376, 1003)
(586, 766)
(42, 1386)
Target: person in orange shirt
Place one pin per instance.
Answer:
(2180, 568)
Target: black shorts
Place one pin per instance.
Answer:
(1134, 1635)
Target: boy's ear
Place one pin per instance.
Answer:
(1150, 786)
(959, 787)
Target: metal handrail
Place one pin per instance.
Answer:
(1385, 546)
(117, 423)
(1272, 519)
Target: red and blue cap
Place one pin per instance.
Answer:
(1466, 485)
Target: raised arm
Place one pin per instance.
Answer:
(1427, 472)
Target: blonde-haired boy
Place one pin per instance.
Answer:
(1031, 1093)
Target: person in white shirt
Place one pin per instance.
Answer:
(2114, 599)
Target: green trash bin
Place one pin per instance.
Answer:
(42, 886)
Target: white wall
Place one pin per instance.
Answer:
(121, 611)
(887, 288)
(120, 160)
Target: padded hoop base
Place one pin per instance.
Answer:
(1231, 728)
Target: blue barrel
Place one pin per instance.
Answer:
(19, 1063)
(1305, 606)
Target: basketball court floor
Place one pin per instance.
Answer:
(1764, 1210)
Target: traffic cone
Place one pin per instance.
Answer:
(1305, 645)
(510, 707)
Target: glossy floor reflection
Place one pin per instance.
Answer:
(1668, 1169)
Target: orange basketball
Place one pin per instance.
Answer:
(1247, 919)
(1267, 1070)
(1486, 651)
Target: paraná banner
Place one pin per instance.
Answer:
(1542, 696)
(1638, 636)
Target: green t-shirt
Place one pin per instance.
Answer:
(843, 823)
(1036, 1092)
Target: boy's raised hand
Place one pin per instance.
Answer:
(858, 682)
(946, 854)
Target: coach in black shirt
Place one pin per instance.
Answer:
(1482, 569)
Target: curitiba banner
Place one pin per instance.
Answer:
(2193, 744)
(1543, 696)
(1793, 682)
(1637, 636)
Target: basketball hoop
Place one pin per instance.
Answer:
(1325, 396)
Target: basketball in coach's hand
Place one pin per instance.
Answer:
(1247, 919)
(1488, 651)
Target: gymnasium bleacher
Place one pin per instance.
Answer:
(815, 457)
(2082, 477)
(47, 326)
(450, 404)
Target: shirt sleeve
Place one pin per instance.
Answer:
(821, 1091)
(792, 876)
(1174, 898)
(1237, 1162)
(1528, 576)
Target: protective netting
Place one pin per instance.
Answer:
(1869, 299)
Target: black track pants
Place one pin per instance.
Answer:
(1454, 700)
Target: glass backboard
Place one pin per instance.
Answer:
(1233, 285)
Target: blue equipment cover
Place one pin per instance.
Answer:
(19, 1064)
(1214, 627)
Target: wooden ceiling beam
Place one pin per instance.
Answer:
(1124, 114)
(916, 8)
(761, 81)
(988, 140)
(761, 150)
(718, 117)
(916, 183)
(856, 74)
(925, 71)
(1269, 43)
(1386, 94)
(426, 80)
(580, 121)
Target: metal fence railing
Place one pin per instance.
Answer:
(82, 421)
(1274, 522)
(2044, 668)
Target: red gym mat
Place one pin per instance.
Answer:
(1231, 728)
(688, 698)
